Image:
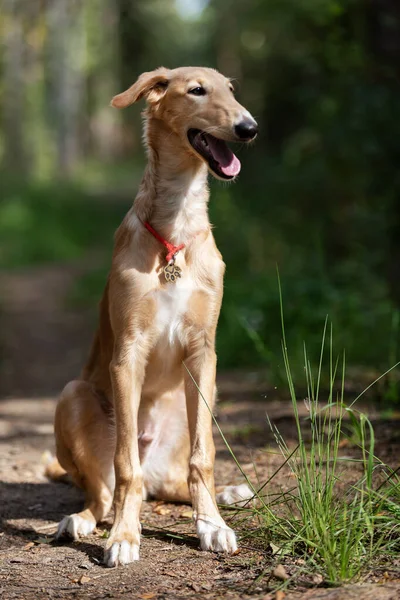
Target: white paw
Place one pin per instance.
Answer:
(239, 495)
(216, 538)
(75, 526)
(121, 553)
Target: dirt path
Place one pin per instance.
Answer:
(43, 339)
(34, 566)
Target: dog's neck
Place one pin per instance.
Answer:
(173, 194)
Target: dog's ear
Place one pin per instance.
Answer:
(152, 86)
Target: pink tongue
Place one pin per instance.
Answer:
(227, 161)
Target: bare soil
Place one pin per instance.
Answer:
(34, 565)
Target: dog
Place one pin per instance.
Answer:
(138, 421)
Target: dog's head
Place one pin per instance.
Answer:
(198, 104)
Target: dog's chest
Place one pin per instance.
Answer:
(172, 306)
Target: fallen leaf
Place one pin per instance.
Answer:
(148, 595)
(44, 540)
(275, 549)
(83, 579)
(317, 579)
(29, 545)
(280, 573)
(186, 514)
(282, 550)
(280, 595)
(161, 510)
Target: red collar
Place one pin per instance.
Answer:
(172, 250)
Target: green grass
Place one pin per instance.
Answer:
(341, 517)
(340, 529)
(42, 224)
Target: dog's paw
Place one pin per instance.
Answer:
(238, 495)
(215, 538)
(121, 553)
(75, 526)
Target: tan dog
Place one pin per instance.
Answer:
(135, 424)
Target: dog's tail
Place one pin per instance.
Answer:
(52, 468)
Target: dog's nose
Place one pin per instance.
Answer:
(246, 129)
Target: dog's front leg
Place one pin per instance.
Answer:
(127, 374)
(211, 528)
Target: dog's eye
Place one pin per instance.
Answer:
(197, 91)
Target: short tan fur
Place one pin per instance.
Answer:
(134, 425)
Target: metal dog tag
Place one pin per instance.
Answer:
(172, 272)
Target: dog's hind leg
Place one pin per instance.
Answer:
(164, 448)
(85, 449)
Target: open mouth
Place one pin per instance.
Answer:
(216, 153)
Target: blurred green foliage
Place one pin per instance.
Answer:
(319, 191)
(48, 223)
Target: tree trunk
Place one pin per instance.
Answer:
(15, 155)
(66, 47)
